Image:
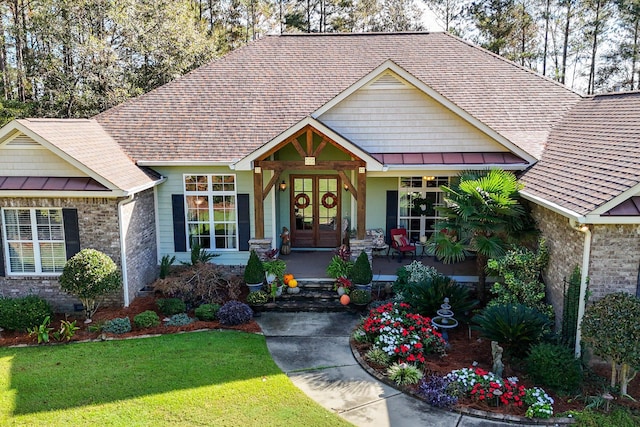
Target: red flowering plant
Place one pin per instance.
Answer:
(405, 336)
(485, 386)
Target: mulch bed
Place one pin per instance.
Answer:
(9, 338)
(465, 349)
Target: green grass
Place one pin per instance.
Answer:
(207, 378)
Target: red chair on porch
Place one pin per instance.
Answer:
(401, 244)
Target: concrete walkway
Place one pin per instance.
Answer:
(313, 350)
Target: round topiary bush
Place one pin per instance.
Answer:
(90, 275)
(235, 313)
(146, 319)
(554, 367)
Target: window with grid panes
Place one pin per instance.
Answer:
(34, 241)
(418, 198)
(211, 211)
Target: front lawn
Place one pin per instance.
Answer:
(206, 378)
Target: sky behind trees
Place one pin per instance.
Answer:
(75, 58)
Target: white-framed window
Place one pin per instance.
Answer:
(33, 241)
(418, 198)
(211, 211)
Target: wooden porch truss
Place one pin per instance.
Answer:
(260, 191)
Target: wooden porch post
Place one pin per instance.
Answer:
(258, 202)
(362, 203)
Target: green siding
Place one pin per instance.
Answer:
(174, 185)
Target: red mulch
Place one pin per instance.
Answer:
(138, 305)
(464, 351)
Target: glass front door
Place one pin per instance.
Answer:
(315, 211)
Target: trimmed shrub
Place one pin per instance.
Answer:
(181, 319)
(119, 325)
(146, 319)
(515, 326)
(90, 275)
(361, 273)
(611, 326)
(207, 312)
(254, 271)
(19, 314)
(554, 367)
(171, 306)
(235, 313)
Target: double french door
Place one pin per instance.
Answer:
(315, 211)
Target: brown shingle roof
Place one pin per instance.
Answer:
(229, 107)
(592, 156)
(87, 142)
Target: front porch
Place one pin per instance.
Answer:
(312, 265)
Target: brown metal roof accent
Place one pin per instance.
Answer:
(630, 207)
(228, 108)
(592, 156)
(449, 159)
(35, 183)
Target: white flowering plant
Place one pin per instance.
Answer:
(406, 337)
(482, 385)
(539, 402)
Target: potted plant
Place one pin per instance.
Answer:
(274, 269)
(360, 297)
(254, 273)
(341, 264)
(257, 299)
(361, 274)
(343, 285)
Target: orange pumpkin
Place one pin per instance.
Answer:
(287, 277)
(345, 300)
(292, 283)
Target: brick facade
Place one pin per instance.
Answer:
(141, 244)
(99, 229)
(615, 256)
(613, 264)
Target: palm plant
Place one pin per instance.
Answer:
(482, 215)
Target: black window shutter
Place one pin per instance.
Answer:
(179, 229)
(71, 231)
(392, 212)
(244, 222)
(2, 271)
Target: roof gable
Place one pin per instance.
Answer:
(390, 111)
(83, 149)
(230, 107)
(21, 155)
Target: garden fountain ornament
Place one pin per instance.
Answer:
(444, 320)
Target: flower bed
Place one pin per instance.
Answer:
(404, 336)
